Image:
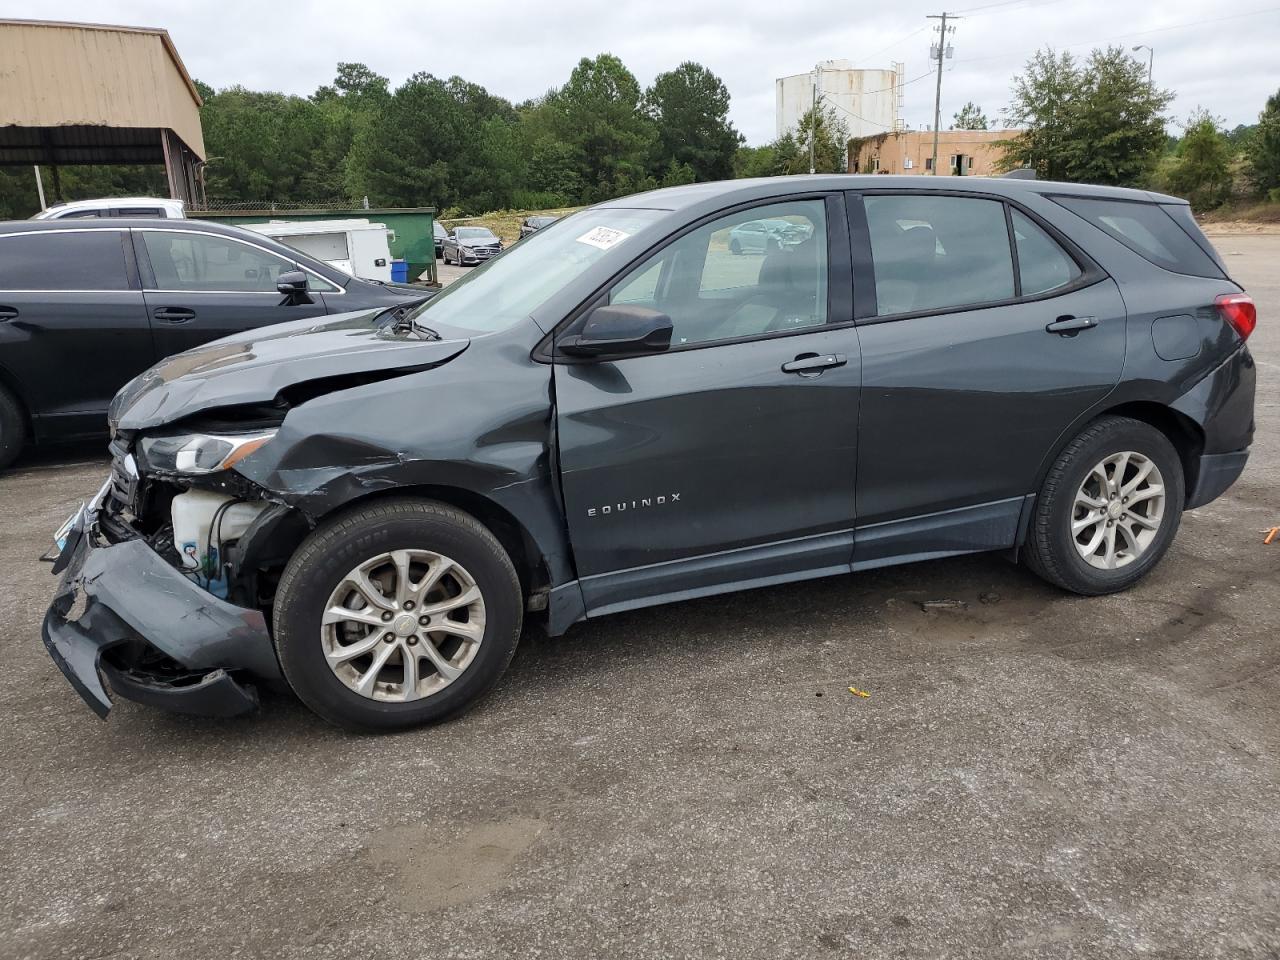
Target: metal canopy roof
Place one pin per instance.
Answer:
(89, 93)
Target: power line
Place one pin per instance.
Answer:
(1134, 33)
(890, 46)
(867, 93)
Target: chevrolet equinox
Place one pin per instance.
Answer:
(622, 411)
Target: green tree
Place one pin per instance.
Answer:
(830, 146)
(1201, 167)
(970, 117)
(446, 143)
(270, 147)
(357, 85)
(604, 141)
(759, 161)
(1094, 122)
(1263, 148)
(689, 107)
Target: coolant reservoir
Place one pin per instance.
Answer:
(197, 536)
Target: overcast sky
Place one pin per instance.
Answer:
(1218, 55)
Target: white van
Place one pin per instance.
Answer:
(357, 247)
(115, 207)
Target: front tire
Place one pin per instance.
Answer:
(1109, 508)
(397, 614)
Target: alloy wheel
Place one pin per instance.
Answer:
(403, 625)
(1118, 510)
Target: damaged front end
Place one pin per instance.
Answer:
(160, 588)
(167, 578)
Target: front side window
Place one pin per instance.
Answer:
(932, 252)
(715, 287)
(196, 261)
(63, 260)
(1043, 266)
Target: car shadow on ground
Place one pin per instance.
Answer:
(951, 607)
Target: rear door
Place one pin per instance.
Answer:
(986, 337)
(729, 459)
(73, 325)
(202, 286)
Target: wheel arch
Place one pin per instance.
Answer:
(511, 533)
(1185, 434)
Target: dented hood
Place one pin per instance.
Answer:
(255, 366)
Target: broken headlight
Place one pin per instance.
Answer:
(195, 453)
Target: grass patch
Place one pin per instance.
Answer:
(505, 223)
(1264, 211)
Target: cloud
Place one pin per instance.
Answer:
(519, 48)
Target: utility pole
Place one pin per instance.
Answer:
(813, 117)
(40, 188)
(1151, 61)
(941, 50)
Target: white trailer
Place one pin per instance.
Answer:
(357, 247)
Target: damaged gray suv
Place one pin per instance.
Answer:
(622, 411)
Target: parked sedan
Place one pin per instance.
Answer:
(598, 422)
(87, 304)
(531, 225)
(471, 245)
(439, 235)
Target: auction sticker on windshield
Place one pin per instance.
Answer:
(603, 237)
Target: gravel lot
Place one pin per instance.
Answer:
(1034, 776)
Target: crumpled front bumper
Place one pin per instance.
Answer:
(124, 595)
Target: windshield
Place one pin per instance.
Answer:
(475, 232)
(510, 287)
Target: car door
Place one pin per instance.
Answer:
(73, 325)
(984, 335)
(200, 286)
(727, 460)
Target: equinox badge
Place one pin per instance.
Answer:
(659, 501)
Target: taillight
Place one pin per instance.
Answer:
(1238, 310)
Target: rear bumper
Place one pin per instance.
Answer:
(169, 643)
(1216, 473)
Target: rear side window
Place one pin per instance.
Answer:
(934, 252)
(1043, 266)
(63, 260)
(1147, 230)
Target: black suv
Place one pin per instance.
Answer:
(620, 412)
(86, 304)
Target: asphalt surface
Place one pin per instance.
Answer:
(1034, 775)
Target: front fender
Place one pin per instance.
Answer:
(481, 424)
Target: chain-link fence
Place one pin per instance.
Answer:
(280, 206)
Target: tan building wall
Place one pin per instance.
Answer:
(911, 151)
(64, 74)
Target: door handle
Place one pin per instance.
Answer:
(174, 314)
(8, 313)
(1070, 326)
(812, 364)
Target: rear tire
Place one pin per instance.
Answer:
(1108, 510)
(372, 690)
(13, 427)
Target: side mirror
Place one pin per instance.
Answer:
(615, 329)
(292, 285)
